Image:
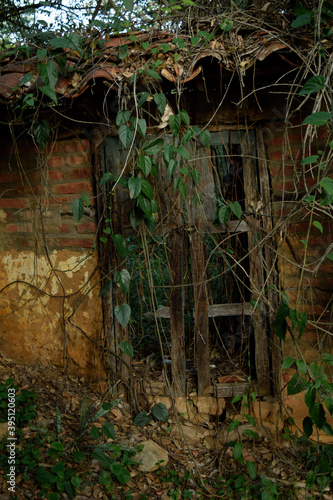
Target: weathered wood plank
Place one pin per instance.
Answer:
(271, 278)
(257, 282)
(176, 312)
(215, 310)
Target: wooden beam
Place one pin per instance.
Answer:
(270, 269)
(176, 312)
(215, 310)
(257, 282)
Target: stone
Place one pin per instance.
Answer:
(151, 457)
(188, 432)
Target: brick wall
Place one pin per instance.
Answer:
(289, 180)
(37, 193)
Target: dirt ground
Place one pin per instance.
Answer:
(200, 462)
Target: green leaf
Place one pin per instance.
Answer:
(153, 74)
(141, 125)
(41, 133)
(195, 40)
(49, 92)
(180, 42)
(160, 412)
(144, 164)
(127, 348)
(329, 405)
(196, 176)
(122, 117)
(295, 385)
(123, 314)
(120, 244)
(143, 98)
(236, 208)
(153, 147)
(41, 54)
(147, 189)
(287, 362)
(309, 159)
(122, 474)
(317, 414)
(168, 153)
(302, 20)
(57, 446)
(184, 171)
(327, 358)
(183, 190)
(145, 204)
(184, 117)
(226, 24)
(174, 123)
(123, 279)
(251, 420)
(302, 321)
(122, 51)
(302, 366)
(318, 119)
(187, 136)
(318, 225)
(101, 456)
(106, 177)
(109, 430)
(307, 426)
(224, 215)
(280, 324)
(184, 152)
(142, 419)
(86, 199)
(76, 481)
(251, 433)
(234, 424)
(160, 101)
(78, 456)
(126, 135)
(78, 208)
(94, 432)
(205, 137)
(172, 167)
(105, 478)
(310, 395)
(48, 73)
(314, 84)
(105, 288)
(327, 184)
(310, 478)
(251, 469)
(330, 256)
(327, 429)
(134, 186)
(135, 218)
(238, 452)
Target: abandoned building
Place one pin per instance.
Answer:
(214, 245)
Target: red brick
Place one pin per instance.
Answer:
(56, 161)
(56, 147)
(77, 159)
(13, 228)
(81, 173)
(89, 227)
(9, 177)
(13, 202)
(76, 242)
(56, 175)
(64, 228)
(78, 145)
(72, 188)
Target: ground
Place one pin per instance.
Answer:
(56, 455)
